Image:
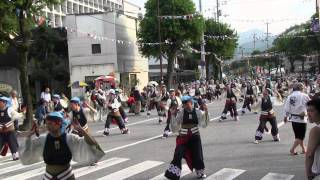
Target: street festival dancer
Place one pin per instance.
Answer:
(121, 109)
(56, 103)
(295, 111)
(114, 114)
(57, 148)
(230, 105)
(248, 99)
(77, 114)
(267, 115)
(152, 99)
(7, 130)
(188, 142)
(162, 112)
(173, 103)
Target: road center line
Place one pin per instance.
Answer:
(158, 136)
(145, 140)
(131, 124)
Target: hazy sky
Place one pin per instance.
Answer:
(253, 14)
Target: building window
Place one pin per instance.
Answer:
(133, 80)
(96, 48)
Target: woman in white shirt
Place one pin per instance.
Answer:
(46, 95)
(312, 161)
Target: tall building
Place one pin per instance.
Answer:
(105, 43)
(57, 13)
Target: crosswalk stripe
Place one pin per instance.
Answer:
(100, 165)
(276, 176)
(226, 174)
(78, 172)
(5, 163)
(132, 170)
(27, 175)
(16, 167)
(30, 174)
(185, 171)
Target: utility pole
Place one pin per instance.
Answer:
(160, 47)
(267, 34)
(203, 56)
(218, 11)
(241, 48)
(254, 41)
(317, 9)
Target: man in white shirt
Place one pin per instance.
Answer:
(14, 100)
(295, 112)
(46, 95)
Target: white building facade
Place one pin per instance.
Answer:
(111, 50)
(57, 13)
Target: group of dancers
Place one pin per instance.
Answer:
(183, 109)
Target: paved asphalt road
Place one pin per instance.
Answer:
(228, 152)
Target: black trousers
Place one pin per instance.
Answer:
(122, 112)
(262, 124)
(194, 146)
(9, 138)
(217, 93)
(153, 104)
(247, 103)
(118, 120)
(232, 107)
(168, 122)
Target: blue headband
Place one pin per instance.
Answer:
(55, 116)
(75, 100)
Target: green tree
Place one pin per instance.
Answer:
(49, 54)
(179, 32)
(223, 47)
(16, 22)
(296, 43)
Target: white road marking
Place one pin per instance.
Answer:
(185, 171)
(131, 124)
(132, 144)
(16, 167)
(3, 163)
(100, 165)
(30, 174)
(149, 139)
(216, 118)
(132, 170)
(276, 176)
(226, 174)
(281, 124)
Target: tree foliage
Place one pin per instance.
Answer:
(48, 52)
(178, 32)
(223, 47)
(296, 42)
(18, 18)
